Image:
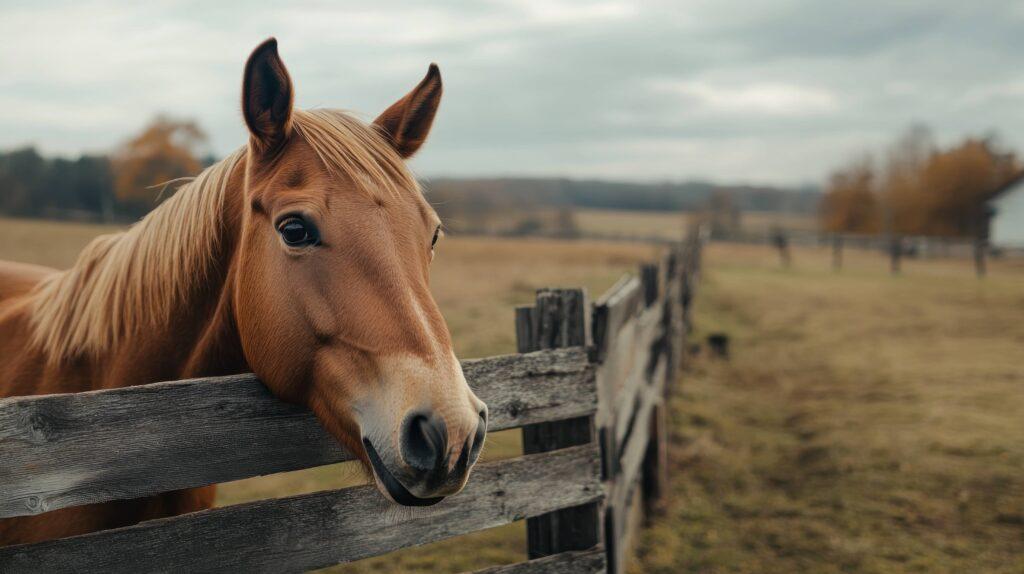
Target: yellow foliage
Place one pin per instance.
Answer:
(165, 150)
(850, 204)
(923, 190)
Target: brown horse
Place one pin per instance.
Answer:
(303, 257)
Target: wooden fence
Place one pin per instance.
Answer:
(588, 389)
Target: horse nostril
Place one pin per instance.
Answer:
(424, 441)
(478, 437)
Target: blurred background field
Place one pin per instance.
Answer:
(866, 422)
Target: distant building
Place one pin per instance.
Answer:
(1006, 228)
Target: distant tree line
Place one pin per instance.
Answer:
(667, 196)
(128, 182)
(34, 186)
(920, 188)
(121, 186)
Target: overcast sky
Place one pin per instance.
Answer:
(733, 91)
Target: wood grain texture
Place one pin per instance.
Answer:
(633, 364)
(624, 486)
(313, 531)
(635, 447)
(655, 480)
(612, 310)
(649, 277)
(577, 562)
(630, 524)
(73, 449)
(559, 319)
(631, 406)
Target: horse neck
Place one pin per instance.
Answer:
(217, 348)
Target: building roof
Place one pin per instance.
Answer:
(1008, 187)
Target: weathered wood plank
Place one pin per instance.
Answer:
(627, 530)
(525, 339)
(623, 492)
(559, 319)
(73, 449)
(655, 481)
(612, 310)
(649, 273)
(316, 530)
(635, 435)
(648, 328)
(634, 449)
(675, 336)
(617, 369)
(578, 562)
(621, 373)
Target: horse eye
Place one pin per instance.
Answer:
(437, 232)
(297, 233)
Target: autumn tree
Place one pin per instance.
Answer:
(922, 190)
(902, 189)
(851, 203)
(957, 185)
(165, 150)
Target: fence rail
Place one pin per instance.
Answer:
(73, 449)
(588, 389)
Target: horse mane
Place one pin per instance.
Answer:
(125, 282)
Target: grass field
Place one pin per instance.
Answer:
(672, 225)
(668, 226)
(865, 423)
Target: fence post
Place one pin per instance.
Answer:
(649, 279)
(781, 242)
(654, 477)
(654, 480)
(895, 254)
(686, 291)
(672, 319)
(837, 252)
(558, 319)
(980, 251)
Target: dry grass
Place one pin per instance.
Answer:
(50, 243)
(763, 222)
(671, 225)
(664, 225)
(865, 423)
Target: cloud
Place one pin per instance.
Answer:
(561, 12)
(647, 89)
(773, 98)
(1011, 90)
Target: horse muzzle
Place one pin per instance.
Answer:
(424, 469)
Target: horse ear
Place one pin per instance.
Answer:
(407, 122)
(267, 97)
